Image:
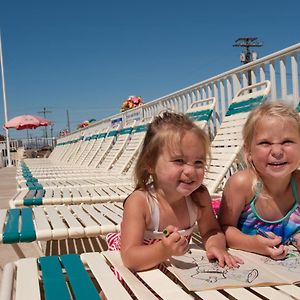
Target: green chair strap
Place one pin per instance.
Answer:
(244, 106)
(127, 130)
(27, 233)
(200, 115)
(101, 135)
(11, 231)
(34, 197)
(140, 128)
(55, 286)
(80, 282)
(113, 133)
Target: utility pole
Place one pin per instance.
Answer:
(44, 112)
(247, 55)
(68, 122)
(9, 164)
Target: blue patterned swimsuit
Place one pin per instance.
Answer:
(285, 227)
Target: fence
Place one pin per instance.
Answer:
(281, 68)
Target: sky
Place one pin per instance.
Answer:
(87, 57)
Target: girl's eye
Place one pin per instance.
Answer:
(287, 142)
(199, 164)
(264, 143)
(179, 162)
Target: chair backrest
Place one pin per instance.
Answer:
(201, 111)
(227, 143)
(129, 154)
(95, 142)
(117, 148)
(105, 146)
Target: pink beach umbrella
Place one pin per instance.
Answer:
(26, 122)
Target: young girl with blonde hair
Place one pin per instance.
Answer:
(260, 205)
(169, 196)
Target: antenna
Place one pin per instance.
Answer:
(247, 55)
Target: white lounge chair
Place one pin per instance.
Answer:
(227, 144)
(82, 276)
(58, 222)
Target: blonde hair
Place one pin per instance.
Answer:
(167, 129)
(275, 109)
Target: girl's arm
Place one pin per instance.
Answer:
(212, 236)
(237, 192)
(135, 255)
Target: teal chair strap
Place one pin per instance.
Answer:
(126, 130)
(11, 231)
(140, 128)
(113, 133)
(244, 106)
(55, 286)
(80, 282)
(200, 115)
(27, 233)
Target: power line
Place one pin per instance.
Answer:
(44, 112)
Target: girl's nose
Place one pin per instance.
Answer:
(277, 150)
(188, 168)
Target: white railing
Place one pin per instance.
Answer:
(281, 68)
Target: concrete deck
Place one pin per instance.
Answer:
(8, 185)
(8, 188)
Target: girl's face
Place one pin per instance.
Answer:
(275, 148)
(179, 172)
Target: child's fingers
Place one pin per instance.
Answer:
(279, 253)
(233, 261)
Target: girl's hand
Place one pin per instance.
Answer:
(272, 247)
(223, 257)
(295, 241)
(173, 243)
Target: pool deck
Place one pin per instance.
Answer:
(8, 185)
(8, 188)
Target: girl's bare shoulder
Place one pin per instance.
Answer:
(239, 185)
(242, 179)
(136, 197)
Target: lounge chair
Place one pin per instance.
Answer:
(83, 276)
(110, 182)
(58, 222)
(226, 145)
(203, 113)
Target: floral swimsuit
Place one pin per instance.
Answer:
(285, 227)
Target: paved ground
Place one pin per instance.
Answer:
(8, 188)
(8, 185)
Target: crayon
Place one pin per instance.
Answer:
(167, 233)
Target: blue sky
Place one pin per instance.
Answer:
(88, 56)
